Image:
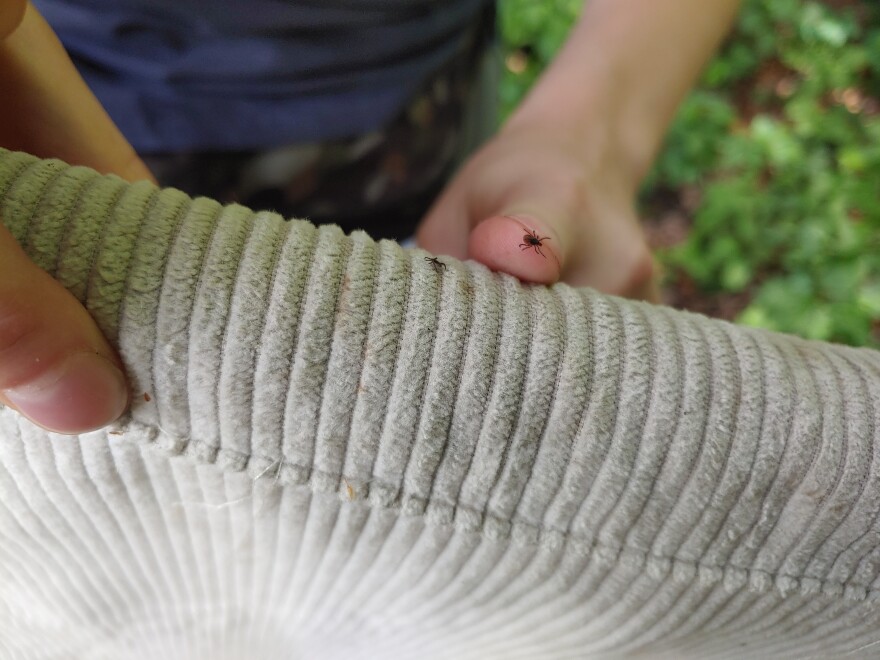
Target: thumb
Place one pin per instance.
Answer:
(55, 366)
(524, 245)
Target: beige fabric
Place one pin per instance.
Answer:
(339, 451)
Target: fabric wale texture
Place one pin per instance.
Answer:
(337, 449)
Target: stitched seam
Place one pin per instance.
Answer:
(542, 532)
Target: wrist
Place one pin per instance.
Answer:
(616, 84)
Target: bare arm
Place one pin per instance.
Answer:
(624, 71)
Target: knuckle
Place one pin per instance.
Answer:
(22, 343)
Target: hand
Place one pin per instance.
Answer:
(532, 205)
(55, 367)
(568, 163)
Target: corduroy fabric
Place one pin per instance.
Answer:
(338, 450)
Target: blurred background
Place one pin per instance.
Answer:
(764, 206)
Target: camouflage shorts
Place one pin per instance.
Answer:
(382, 182)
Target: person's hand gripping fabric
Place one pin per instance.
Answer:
(55, 367)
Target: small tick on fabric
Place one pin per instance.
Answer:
(532, 240)
(147, 397)
(436, 263)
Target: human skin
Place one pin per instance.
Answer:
(568, 162)
(55, 367)
(565, 166)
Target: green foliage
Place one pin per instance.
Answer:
(782, 138)
(791, 204)
(532, 32)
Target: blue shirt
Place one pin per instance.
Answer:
(203, 75)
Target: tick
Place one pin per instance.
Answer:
(532, 240)
(436, 263)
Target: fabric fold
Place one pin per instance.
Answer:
(339, 449)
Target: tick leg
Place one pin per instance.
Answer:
(523, 246)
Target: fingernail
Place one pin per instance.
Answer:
(85, 392)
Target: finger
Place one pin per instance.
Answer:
(49, 111)
(649, 291)
(445, 228)
(614, 257)
(521, 245)
(55, 367)
(11, 13)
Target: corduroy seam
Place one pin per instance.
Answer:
(733, 577)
